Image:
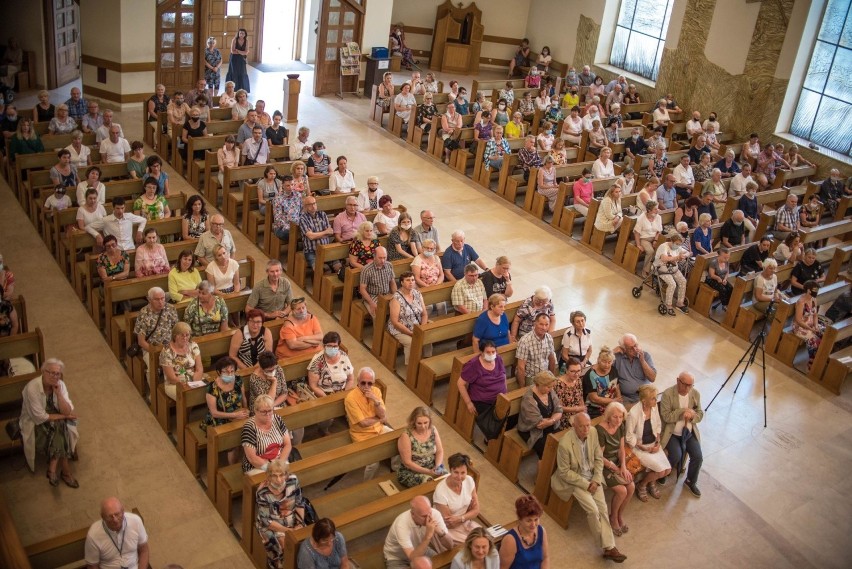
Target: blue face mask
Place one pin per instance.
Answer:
(428, 254)
(321, 152)
(228, 378)
(332, 351)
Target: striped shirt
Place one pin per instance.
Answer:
(259, 440)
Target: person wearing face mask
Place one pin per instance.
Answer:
(280, 509)
(268, 379)
(330, 370)
(501, 115)
(666, 259)
(461, 103)
(400, 244)
(712, 120)
(226, 399)
(583, 190)
(301, 332)
(733, 232)
(544, 140)
(571, 98)
(318, 162)
(9, 123)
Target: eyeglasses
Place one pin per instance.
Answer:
(683, 383)
(264, 412)
(53, 373)
(217, 224)
(366, 383)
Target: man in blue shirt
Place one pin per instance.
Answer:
(634, 367)
(666, 194)
(77, 105)
(457, 256)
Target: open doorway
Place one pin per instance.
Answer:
(280, 26)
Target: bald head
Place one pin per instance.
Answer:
(421, 507)
(112, 513)
(380, 256)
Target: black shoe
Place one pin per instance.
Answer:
(662, 481)
(692, 488)
(684, 309)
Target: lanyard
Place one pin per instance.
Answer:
(123, 532)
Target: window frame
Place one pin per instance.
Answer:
(661, 41)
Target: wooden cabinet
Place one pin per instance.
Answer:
(457, 40)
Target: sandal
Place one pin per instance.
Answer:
(684, 309)
(671, 312)
(53, 479)
(616, 531)
(625, 529)
(653, 490)
(642, 493)
(70, 481)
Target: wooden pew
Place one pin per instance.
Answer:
(833, 335)
(536, 204)
(837, 370)
(353, 314)
(740, 317)
(11, 399)
(29, 345)
(327, 286)
(782, 176)
(253, 220)
(701, 295)
(841, 257)
(564, 214)
(232, 198)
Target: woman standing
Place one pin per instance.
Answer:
(455, 497)
(643, 435)
(541, 412)
(806, 324)
(420, 449)
(611, 435)
(492, 324)
(600, 384)
(151, 258)
(151, 205)
(526, 547)
(237, 71)
(194, 218)
(212, 64)
(482, 379)
(406, 311)
(250, 341)
(184, 277)
(224, 273)
(180, 360)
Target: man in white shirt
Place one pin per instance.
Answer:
(120, 224)
(256, 148)
(300, 147)
(103, 131)
(415, 536)
(117, 540)
(115, 148)
(694, 126)
(738, 182)
(684, 178)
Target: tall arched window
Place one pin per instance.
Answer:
(824, 111)
(640, 35)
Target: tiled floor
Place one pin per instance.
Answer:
(774, 497)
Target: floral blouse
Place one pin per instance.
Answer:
(571, 396)
(151, 262)
(151, 211)
(196, 228)
(429, 272)
(656, 167)
(202, 322)
(332, 377)
(259, 385)
(110, 268)
(410, 313)
(363, 253)
(702, 173)
(226, 402)
(182, 364)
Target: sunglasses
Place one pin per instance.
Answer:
(366, 383)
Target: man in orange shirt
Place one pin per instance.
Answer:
(365, 412)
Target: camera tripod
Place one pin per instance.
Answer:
(757, 345)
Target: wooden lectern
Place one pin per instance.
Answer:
(457, 40)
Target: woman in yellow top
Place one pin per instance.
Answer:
(515, 128)
(184, 278)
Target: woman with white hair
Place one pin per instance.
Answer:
(280, 508)
(728, 164)
(541, 302)
(766, 286)
(212, 64)
(611, 435)
(229, 97)
(666, 260)
(643, 435)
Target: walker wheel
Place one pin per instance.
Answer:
(637, 291)
(663, 309)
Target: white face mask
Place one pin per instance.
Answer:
(489, 357)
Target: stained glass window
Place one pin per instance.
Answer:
(640, 35)
(825, 102)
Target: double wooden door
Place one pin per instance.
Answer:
(178, 44)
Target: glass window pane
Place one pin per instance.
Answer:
(331, 36)
(188, 3)
(806, 110)
(820, 66)
(349, 18)
(846, 36)
(168, 40)
(625, 16)
(167, 59)
(649, 17)
(330, 53)
(619, 46)
(832, 22)
(69, 19)
(186, 39)
(333, 18)
(831, 114)
(168, 20)
(334, 4)
(187, 19)
(234, 8)
(839, 83)
(640, 36)
(186, 59)
(348, 35)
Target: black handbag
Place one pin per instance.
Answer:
(13, 429)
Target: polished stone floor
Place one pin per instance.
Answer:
(772, 497)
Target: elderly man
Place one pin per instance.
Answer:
(634, 366)
(708, 206)
(315, 230)
(831, 190)
(694, 126)
(92, 120)
(115, 148)
(458, 256)
(684, 178)
(635, 145)
(216, 235)
(377, 278)
(200, 89)
(177, 111)
(120, 224)
(787, 217)
(426, 230)
(154, 323)
(586, 76)
(365, 412)
(272, 295)
(301, 147)
(118, 540)
(255, 150)
(667, 194)
(102, 133)
(535, 352)
(615, 97)
(77, 105)
(737, 187)
(286, 208)
(300, 334)
(417, 85)
(468, 294)
(346, 224)
(680, 411)
(416, 536)
(768, 161)
(579, 473)
(733, 231)
(246, 129)
(698, 149)
(620, 81)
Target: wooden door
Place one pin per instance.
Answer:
(223, 18)
(178, 45)
(341, 21)
(63, 36)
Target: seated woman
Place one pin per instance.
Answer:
(807, 269)
(152, 205)
(184, 277)
(267, 188)
(9, 326)
(400, 244)
(569, 391)
(280, 508)
(541, 302)
(406, 311)
(643, 436)
(55, 202)
(387, 218)
(151, 257)
(64, 173)
(527, 544)
(611, 435)
(207, 313)
(155, 171)
(301, 182)
(492, 324)
(577, 341)
(455, 497)
(241, 106)
(810, 212)
(541, 412)
(398, 47)
(603, 167)
(498, 279)
(48, 423)
(665, 260)
(521, 58)
(226, 399)
(330, 370)
(583, 191)
(482, 379)
(44, 110)
(319, 161)
(478, 551)
(806, 323)
(597, 88)
(363, 247)
(501, 114)
(368, 198)
(81, 155)
(194, 127)
(597, 138)
(25, 140)
(430, 83)
(702, 237)
(426, 112)
(62, 123)
(268, 379)
(704, 170)
(420, 450)
(688, 212)
(544, 140)
(404, 103)
(790, 251)
(600, 384)
(572, 127)
(384, 93)
(113, 264)
(516, 127)
(301, 332)
(559, 153)
(325, 549)
(250, 341)
(137, 164)
(227, 157)
(795, 159)
(547, 184)
(180, 360)
(265, 437)
(93, 182)
(341, 180)
(426, 266)
(276, 134)
(728, 165)
(224, 273)
(609, 216)
(718, 271)
(228, 98)
(526, 106)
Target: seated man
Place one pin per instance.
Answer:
(680, 411)
(286, 209)
(346, 223)
(155, 322)
(708, 205)
(615, 96)
(831, 190)
(787, 217)
(535, 352)
(300, 146)
(102, 133)
(77, 105)
(365, 412)
(245, 130)
(120, 224)
(117, 540)
(696, 150)
(739, 181)
(300, 334)
(177, 111)
(426, 230)
(416, 536)
(733, 231)
(768, 161)
(255, 149)
(753, 257)
(92, 120)
(468, 294)
(635, 145)
(115, 148)
(200, 89)
(579, 474)
(684, 177)
(634, 366)
(458, 256)
(377, 278)
(694, 126)
(272, 295)
(315, 230)
(216, 235)
(666, 194)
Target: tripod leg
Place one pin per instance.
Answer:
(751, 352)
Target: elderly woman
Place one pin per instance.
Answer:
(194, 221)
(251, 340)
(702, 237)
(526, 546)
(228, 98)
(541, 302)
(318, 161)
(183, 277)
(406, 311)
(49, 424)
(151, 257)
(267, 379)
(600, 384)
(427, 266)
(516, 127)
(241, 106)
(666, 259)
(718, 273)
(643, 436)
(113, 264)
(223, 273)
(226, 399)
(227, 157)
(368, 198)
(325, 549)
(492, 324)
(151, 204)
(62, 123)
(611, 435)
(704, 169)
(363, 247)
(569, 390)
(265, 437)
(715, 186)
(806, 323)
(766, 286)
(64, 173)
(280, 508)
(728, 164)
(400, 244)
(456, 499)
(207, 313)
(420, 450)
(661, 114)
(342, 180)
(548, 185)
(212, 64)
(482, 379)
(81, 155)
(301, 333)
(90, 210)
(609, 216)
(25, 140)
(301, 182)
(426, 112)
(180, 360)
(577, 341)
(404, 103)
(330, 370)
(541, 412)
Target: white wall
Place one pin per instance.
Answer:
(730, 34)
(377, 23)
(554, 23)
(309, 37)
(23, 19)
